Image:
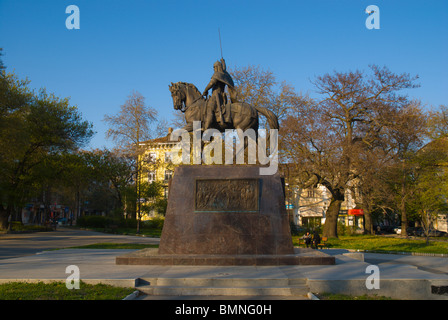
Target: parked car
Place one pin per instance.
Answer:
(388, 229)
(420, 232)
(437, 233)
(383, 229)
(416, 231)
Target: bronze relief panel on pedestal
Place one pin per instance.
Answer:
(227, 195)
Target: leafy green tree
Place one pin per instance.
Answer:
(151, 194)
(429, 187)
(113, 171)
(2, 66)
(34, 127)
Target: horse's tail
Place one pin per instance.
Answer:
(270, 116)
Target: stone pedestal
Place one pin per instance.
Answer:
(224, 215)
(225, 210)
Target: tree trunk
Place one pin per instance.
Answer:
(5, 214)
(3, 218)
(138, 198)
(331, 220)
(404, 218)
(368, 223)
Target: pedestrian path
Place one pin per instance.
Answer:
(402, 277)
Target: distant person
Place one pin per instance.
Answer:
(316, 239)
(307, 238)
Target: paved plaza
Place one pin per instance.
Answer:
(400, 276)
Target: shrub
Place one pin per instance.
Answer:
(295, 230)
(93, 222)
(126, 223)
(17, 225)
(342, 229)
(155, 223)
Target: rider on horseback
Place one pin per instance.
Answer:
(217, 104)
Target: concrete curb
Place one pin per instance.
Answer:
(132, 296)
(402, 253)
(399, 289)
(311, 296)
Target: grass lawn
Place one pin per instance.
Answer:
(334, 296)
(59, 291)
(148, 232)
(115, 246)
(357, 242)
(385, 244)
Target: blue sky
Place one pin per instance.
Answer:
(123, 46)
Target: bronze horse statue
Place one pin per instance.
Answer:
(188, 99)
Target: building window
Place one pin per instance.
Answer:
(168, 157)
(152, 176)
(151, 157)
(311, 193)
(168, 174)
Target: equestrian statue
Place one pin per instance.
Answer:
(216, 112)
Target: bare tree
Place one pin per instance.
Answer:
(178, 119)
(260, 88)
(327, 137)
(406, 133)
(438, 122)
(132, 125)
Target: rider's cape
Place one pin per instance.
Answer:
(224, 77)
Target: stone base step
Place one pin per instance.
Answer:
(222, 287)
(151, 256)
(223, 291)
(222, 282)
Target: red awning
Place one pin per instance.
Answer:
(356, 212)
